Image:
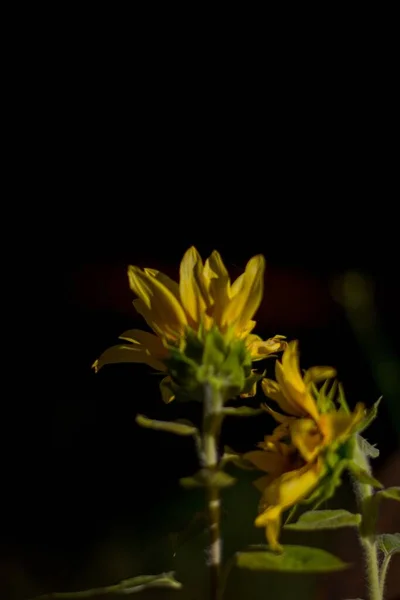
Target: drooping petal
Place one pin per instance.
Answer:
(272, 518)
(284, 492)
(127, 354)
(150, 342)
(166, 311)
(247, 295)
(260, 349)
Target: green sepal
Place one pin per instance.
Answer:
(182, 369)
(328, 484)
(208, 478)
(293, 559)
(342, 400)
(250, 381)
(325, 401)
(371, 415)
(325, 519)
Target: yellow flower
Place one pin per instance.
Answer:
(204, 298)
(311, 433)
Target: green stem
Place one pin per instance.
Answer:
(368, 542)
(211, 426)
(383, 572)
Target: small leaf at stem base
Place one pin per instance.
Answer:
(294, 559)
(389, 543)
(325, 519)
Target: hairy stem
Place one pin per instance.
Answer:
(383, 572)
(211, 426)
(368, 542)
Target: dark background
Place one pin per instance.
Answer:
(132, 165)
(91, 498)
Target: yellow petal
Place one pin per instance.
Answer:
(271, 520)
(214, 266)
(307, 438)
(192, 287)
(316, 374)
(165, 280)
(150, 342)
(252, 392)
(292, 385)
(269, 462)
(237, 285)
(148, 316)
(284, 419)
(291, 487)
(127, 354)
(337, 427)
(262, 482)
(287, 490)
(165, 310)
(218, 284)
(272, 390)
(247, 295)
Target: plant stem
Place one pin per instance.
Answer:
(383, 571)
(211, 426)
(368, 542)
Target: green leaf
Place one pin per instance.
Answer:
(241, 411)
(169, 426)
(366, 448)
(389, 543)
(294, 559)
(127, 586)
(393, 493)
(207, 478)
(325, 519)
